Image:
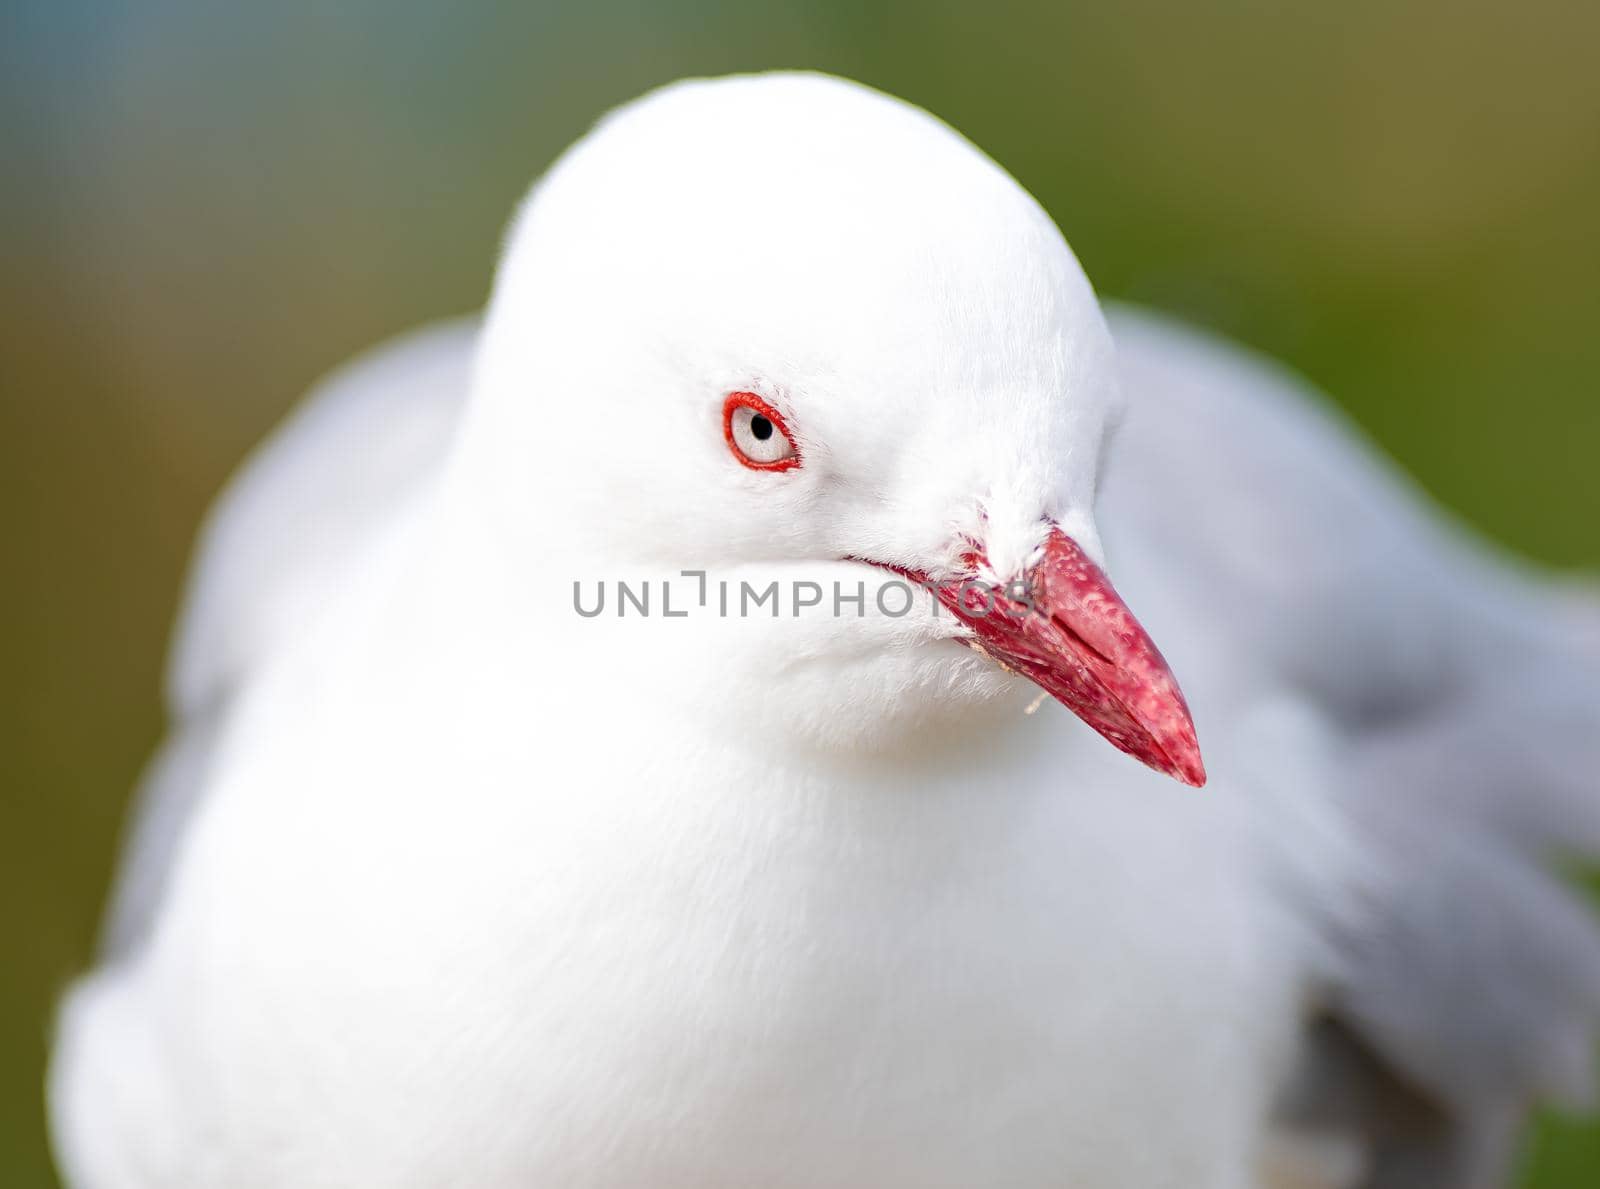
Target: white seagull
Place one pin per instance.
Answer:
(446, 879)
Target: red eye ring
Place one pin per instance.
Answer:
(749, 400)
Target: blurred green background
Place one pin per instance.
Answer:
(204, 205)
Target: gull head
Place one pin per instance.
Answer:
(785, 325)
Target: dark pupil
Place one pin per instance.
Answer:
(761, 427)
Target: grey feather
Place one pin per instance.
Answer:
(1464, 698)
(302, 511)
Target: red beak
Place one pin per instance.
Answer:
(1063, 626)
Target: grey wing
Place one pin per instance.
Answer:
(290, 528)
(1464, 698)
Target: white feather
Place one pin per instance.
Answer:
(472, 890)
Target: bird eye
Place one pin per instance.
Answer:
(757, 435)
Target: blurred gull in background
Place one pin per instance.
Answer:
(438, 882)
